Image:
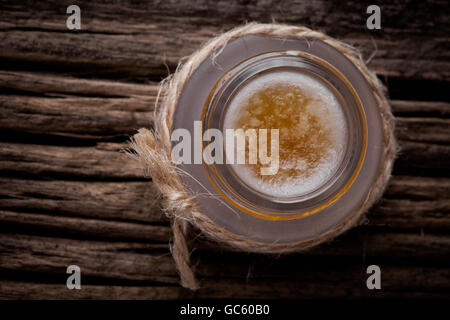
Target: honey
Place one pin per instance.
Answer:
(312, 130)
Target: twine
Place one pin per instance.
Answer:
(153, 150)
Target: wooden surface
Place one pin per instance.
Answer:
(70, 99)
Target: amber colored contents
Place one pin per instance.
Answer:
(304, 137)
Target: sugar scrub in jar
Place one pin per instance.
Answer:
(279, 138)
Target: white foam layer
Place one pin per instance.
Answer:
(325, 107)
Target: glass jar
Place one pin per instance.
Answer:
(227, 198)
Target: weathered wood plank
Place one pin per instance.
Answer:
(432, 156)
(102, 161)
(137, 201)
(413, 202)
(403, 213)
(148, 36)
(46, 104)
(115, 260)
(343, 18)
(248, 276)
(224, 289)
(304, 290)
(310, 269)
(424, 108)
(151, 262)
(433, 130)
(100, 118)
(418, 188)
(424, 206)
(82, 227)
(47, 84)
(12, 290)
(75, 117)
(427, 205)
(52, 85)
(380, 244)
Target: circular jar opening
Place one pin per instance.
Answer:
(312, 131)
(319, 138)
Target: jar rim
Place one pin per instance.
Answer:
(189, 108)
(236, 191)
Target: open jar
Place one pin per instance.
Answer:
(329, 128)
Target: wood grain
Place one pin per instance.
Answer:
(268, 277)
(109, 200)
(213, 289)
(409, 202)
(150, 36)
(70, 100)
(29, 252)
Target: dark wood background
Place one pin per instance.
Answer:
(70, 100)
